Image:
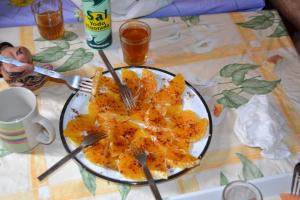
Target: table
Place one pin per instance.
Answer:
(198, 47)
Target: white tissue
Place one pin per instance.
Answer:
(259, 124)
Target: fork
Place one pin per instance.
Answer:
(75, 82)
(141, 156)
(295, 188)
(87, 141)
(126, 94)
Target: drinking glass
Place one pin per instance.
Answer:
(241, 190)
(48, 16)
(135, 37)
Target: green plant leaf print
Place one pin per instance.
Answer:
(165, 19)
(267, 13)
(40, 39)
(3, 152)
(191, 20)
(69, 36)
(226, 103)
(228, 70)
(250, 170)
(78, 58)
(89, 180)
(124, 191)
(223, 179)
(258, 22)
(232, 99)
(279, 31)
(51, 54)
(238, 76)
(256, 86)
(61, 43)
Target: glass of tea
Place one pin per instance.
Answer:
(49, 19)
(241, 190)
(135, 37)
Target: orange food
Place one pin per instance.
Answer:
(143, 96)
(287, 196)
(218, 108)
(131, 79)
(157, 124)
(171, 94)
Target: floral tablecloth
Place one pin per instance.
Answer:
(204, 49)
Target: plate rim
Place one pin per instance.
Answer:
(178, 174)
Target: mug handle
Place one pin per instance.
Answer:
(48, 135)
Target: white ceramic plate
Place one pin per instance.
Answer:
(192, 100)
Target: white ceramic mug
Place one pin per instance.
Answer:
(21, 126)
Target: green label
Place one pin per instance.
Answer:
(97, 23)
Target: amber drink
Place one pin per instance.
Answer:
(49, 18)
(135, 38)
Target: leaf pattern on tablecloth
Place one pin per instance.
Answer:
(124, 191)
(243, 87)
(264, 20)
(237, 71)
(255, 86)
(89, 180)
(249, 169)
(223, 179)
(232, 99)
(77, 57)
(279, 31)
(49, 55)
(190, 20)
(164, 19)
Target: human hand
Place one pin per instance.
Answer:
(11, 72)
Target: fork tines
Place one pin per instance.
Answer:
(295, 188)
(127, 97)
(86, 85)
(141, 156)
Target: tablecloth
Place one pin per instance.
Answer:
(198, 47)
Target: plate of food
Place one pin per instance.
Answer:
(171, 122)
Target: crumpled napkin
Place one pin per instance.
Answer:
(128, 9)
(259, 124)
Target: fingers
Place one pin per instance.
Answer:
(50, 67)
(28, 68)
(21, 54)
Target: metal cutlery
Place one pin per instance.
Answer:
(125, 92)
(75, 82)
(295, 187)
(87, 141)
(141, 156)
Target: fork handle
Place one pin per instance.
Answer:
(60, 163)
(152, 183)
(110, 67)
